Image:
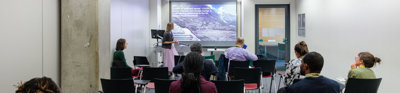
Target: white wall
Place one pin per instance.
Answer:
(105, 55)
(130, 20)
(340, 29)
(29, 36)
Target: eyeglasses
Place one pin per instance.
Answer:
(356, 57)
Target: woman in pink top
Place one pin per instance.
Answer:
(192, 81)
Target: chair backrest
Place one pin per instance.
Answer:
(121, 73)
(117, 86)
(265, 65)
(233, 86)
(249, 75)
(242, 64)
(362, 85)
(261, 57)
(140, 60)
(151, 73)
(162, 85)
(178, 59)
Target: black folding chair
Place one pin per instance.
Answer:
(268, 69)
(151, 73)
(362, 85)
(121, 73)
(251, 77)
(162, 85)
(242, 64)
(261, 57)
(118, 86)
(178, 59)
(140, 61)
(233, 86)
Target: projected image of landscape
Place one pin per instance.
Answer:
(204, 22)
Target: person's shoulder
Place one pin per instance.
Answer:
(355, 71)
(208, 62)
(176, 83)
(295, 86)
(208, 84)
(330, 81)
(118, 52)
(231, 48)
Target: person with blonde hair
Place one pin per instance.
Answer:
(169, 49)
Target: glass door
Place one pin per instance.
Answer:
(273, 32)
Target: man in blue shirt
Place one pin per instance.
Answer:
(311, 67)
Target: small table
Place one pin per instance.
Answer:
(141, 83)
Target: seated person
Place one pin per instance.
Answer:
(209, 66)
(293, 67)
(192, 81)
(311, 67)
(361, 68)
(238, 53)
(119, 60)
(39, 85)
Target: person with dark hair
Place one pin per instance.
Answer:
(119, 55)
(313, 82)
(38, 85)
(119, 60)
(361, 68)
(192, 81)
(293, 67)
(169, 49)
(238, 53)
(209, 66)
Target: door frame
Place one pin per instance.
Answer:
(287, 25)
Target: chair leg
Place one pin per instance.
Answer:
(144, 89)
(136, 89)
(140, 74)
(270, 86)
(279, 84)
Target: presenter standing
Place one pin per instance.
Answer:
(169, 49)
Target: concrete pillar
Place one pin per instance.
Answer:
(79, 46)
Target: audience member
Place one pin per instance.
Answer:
(293, 67)
(39, 85)
(192, 81)
(238, 53)
(313, 82)
(361, 68)
(209, 66)
(119, 60)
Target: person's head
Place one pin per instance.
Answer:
(240, 41)
(301, 49)
(192, 67)
(121, 44)
(170, 26)
(38, 85)
(196, 47)
(366, 59)
(312, 63)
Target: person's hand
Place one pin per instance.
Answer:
(177, 42)
(353, 66)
